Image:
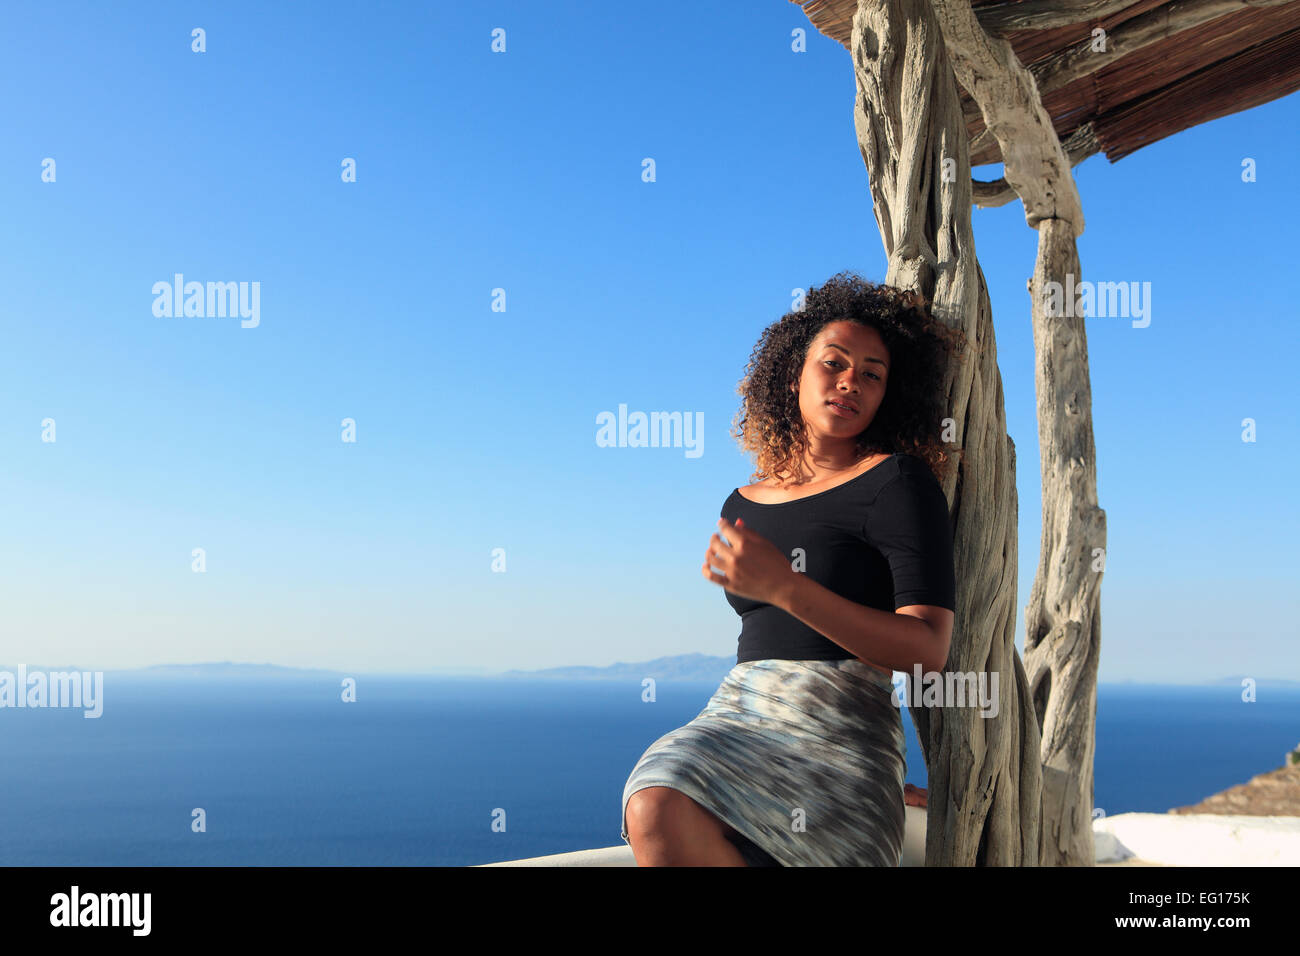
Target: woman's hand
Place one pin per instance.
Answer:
(752, 567)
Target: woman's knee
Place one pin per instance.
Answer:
(651, 808)
(660, 809)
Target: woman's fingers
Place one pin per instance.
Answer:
(717, 555)
(722, 548)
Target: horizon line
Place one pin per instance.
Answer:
(489, 673)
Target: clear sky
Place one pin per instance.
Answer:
(475, 428)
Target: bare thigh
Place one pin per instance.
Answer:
(649, 801)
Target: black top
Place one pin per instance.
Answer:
(882, 539)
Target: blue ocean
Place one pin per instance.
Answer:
(415, 771)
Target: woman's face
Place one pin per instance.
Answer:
(849, 364)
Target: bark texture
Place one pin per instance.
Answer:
(984, 773)
(1063, 617)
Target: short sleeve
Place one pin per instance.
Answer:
(908, 524)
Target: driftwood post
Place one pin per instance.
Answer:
(1062, 619)
(984, 773)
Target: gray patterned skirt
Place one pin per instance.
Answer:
(805, 759)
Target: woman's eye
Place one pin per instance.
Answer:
(837, 365)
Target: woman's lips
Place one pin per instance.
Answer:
(839, 410)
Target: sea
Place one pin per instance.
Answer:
(456, 771)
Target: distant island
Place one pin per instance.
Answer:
(1259, 681)
(226, 669)
(241, 669)
(681, 667)
(687, 667)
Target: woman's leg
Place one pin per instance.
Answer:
(667, 828)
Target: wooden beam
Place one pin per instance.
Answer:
(1081, 144)
(1035, 163)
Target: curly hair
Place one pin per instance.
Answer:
(770, 425)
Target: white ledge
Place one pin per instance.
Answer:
(1198, 839)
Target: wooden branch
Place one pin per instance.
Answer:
(1063, 615)
(1036, 165)
(985, 780)
(1081, 144)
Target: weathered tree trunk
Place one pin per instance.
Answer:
(1062, 643)
(1063, 618)
(984, 773)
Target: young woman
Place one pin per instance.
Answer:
(839, 562)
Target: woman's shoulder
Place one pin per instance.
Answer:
(904, 476)
(913, 466)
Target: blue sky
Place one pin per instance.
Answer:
(476, 428)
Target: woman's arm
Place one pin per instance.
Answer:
(753, 567)
(913, 634)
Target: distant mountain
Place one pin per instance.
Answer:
(685, 667)
(1280, 682)
(226, 669)
(692, 667)
(240, 669)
